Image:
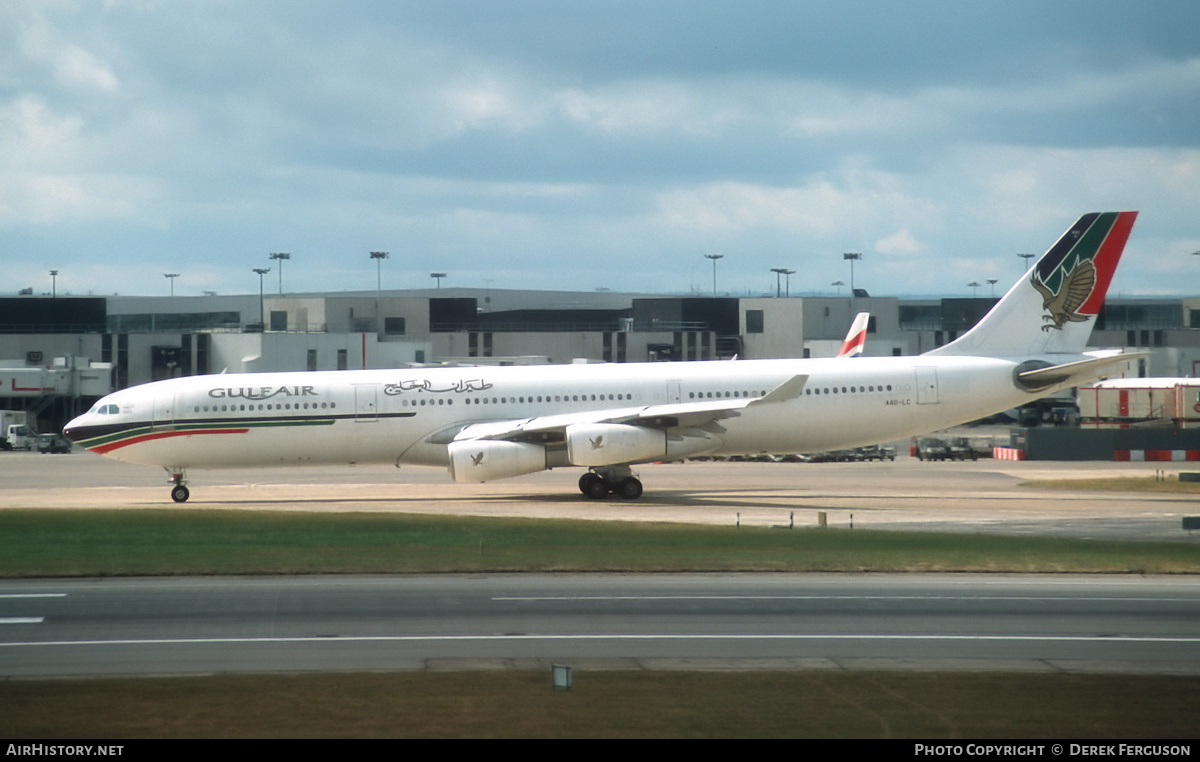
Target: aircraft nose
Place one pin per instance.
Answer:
(71, 430)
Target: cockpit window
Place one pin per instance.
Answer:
(106, 410)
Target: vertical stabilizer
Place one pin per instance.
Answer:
(856, 339)
(1052, 308)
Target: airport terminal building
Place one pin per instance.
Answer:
(57, 355)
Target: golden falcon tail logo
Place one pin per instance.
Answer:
(1073, 290)
(1074, 275)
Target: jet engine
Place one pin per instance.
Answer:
(481, 460)
(603, 444)
(606, 444)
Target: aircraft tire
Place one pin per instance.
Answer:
(629, 488)
(180, 493)
(587, 482)
(596, 489)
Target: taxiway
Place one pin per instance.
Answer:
(987, 496)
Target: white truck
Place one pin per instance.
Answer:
(15, 433)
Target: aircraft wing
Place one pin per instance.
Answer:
(671, 415)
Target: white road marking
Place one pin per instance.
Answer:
(735, 636)
(1054, 599)
(33, 595)
(27, 619)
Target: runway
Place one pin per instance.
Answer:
(109, 627)
(966, 622)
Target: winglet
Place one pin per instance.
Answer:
(788, 390)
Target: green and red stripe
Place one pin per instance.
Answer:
(114, 438)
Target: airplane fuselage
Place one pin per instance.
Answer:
(409, 416)
(488, 423)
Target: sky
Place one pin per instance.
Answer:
(603, 144)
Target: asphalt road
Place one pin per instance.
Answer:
(974, 622)
(97, 627)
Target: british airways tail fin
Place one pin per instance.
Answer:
(1052, 308)
(857, 337)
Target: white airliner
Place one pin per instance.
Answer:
(485, 423)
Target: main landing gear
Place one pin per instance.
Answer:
(619, 480)
(179, 492)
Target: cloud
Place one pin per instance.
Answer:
(38, 43)
(31, 135)
(822, 207)
(628, 137)
(900, 243)
(72, 199)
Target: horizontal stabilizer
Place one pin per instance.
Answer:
(1072, 373)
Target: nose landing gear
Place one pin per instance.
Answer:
(179, 492)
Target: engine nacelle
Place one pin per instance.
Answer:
(481, 460)
(606, 444)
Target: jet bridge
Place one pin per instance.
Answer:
(54, 393)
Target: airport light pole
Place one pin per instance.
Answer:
(839, 285)
(974, 286)
(53, 283)
(262, 316)
(439, 277)
(992, 282)
(1026, 257)
(378, 256)
(852, 257)
(171, 277)
(714, 258)
(279, 256)
(779, 271)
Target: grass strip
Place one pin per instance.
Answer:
(39, 543)
(607, 704)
